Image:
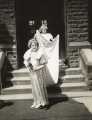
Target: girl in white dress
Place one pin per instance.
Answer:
(51, 48)
(37, 70)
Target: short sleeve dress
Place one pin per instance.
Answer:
(38, 77)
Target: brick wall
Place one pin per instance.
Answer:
(76, 12)
(8, 31)
(76, 20)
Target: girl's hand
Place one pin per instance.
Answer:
(31, 66)
(38, 67)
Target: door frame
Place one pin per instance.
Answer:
(20, 31)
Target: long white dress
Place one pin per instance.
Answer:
(51, 48)
(38, 76)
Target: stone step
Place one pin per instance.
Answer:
(19, 80)
(17, 89)
(23, 72)
(20, 89)
(73, 71)
(72, 78)
(81, 86)
(63, 94)
(26, 80)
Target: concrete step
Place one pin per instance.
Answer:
(63, 94)
(17, 89)
(19, 80)
(26, 79)
(21, 89)
(73, 71)
(81, 86)
(23, 72)
(72, 78)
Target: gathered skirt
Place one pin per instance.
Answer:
(38, 81)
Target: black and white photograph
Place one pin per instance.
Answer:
(45, 60)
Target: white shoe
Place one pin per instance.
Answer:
(38, 106)
(33, 106)
(45, 104)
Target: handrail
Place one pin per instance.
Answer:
(2, 59)
(86, 65)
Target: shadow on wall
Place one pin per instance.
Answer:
(5, 37)
(5, 82)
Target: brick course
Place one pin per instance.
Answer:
(76, 28)
(8, 31)
(76, 20)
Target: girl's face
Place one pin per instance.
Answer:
(44, 30)
(34, 47)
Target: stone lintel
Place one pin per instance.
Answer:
(7, 46)
(80, 44)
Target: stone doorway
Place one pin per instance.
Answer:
(36, 11)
